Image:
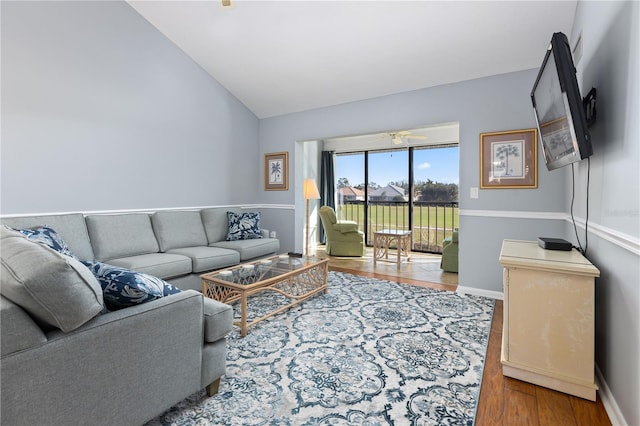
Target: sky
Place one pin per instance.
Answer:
(437, 164)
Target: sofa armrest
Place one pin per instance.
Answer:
(264, 233)
(107, 363)
(345, 226)
(453, 238)
(18, 331)
(218, 320)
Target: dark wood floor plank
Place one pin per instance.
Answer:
(554, 408)
(520, 386)
(496, 324)
(520, 408)
(589, 412)
(491, 401)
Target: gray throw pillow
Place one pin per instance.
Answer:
(55, 289)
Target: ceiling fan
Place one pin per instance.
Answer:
(398, 137)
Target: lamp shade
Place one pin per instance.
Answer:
(310, 190)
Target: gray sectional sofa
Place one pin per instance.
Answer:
(177, 246)
(129, 365)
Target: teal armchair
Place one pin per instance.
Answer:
(449, 262)
(343, 237)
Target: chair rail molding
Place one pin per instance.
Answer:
(625, 241)
(514, 214)
(151, 210)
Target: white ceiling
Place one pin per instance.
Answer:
(280, 57)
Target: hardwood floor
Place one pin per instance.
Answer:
(503, 400)
(422, 268)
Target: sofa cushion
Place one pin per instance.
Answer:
(216, 223)
(218, 320)
(250, 249)
(176, 229)
(121, 235)
(243, 226)
(161, 265)
(208, 258)
(71, 227)
(47, 236)
(122, 287)
(55, 289)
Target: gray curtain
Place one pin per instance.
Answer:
(327, 186)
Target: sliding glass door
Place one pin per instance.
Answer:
(350, 178)
(387, 203)
(434, 196)
(401, 189)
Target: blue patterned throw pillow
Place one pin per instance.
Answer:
(122, 288)
(49, 237)
(243, 226)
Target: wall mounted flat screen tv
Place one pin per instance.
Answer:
(558, 107)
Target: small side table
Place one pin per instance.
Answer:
(383, 239)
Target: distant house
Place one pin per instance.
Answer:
(348, 193)
(388, 193)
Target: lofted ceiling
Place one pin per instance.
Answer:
(280, 57)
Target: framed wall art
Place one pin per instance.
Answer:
(276, 171)
(509, 159)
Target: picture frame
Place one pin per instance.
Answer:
(509, 159)
(276, 171)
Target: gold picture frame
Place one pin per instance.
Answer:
(276, 171)
(509, 159)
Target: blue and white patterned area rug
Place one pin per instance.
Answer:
(368, 352)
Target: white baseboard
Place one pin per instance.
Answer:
(480, 292)
(609, 402)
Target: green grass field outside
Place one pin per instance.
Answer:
(431, 224)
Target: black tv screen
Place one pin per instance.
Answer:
(558, 107)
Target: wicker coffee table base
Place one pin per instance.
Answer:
(298, 286)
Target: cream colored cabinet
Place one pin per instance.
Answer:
(548, 327)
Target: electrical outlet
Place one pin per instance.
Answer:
(474, 193)
(272, 234)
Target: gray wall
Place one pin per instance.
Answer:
(483, 105)
(610, 64)
(100, 111)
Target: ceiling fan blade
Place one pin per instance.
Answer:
(397, 138)
(407, 134)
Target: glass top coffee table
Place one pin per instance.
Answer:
(297, 279)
